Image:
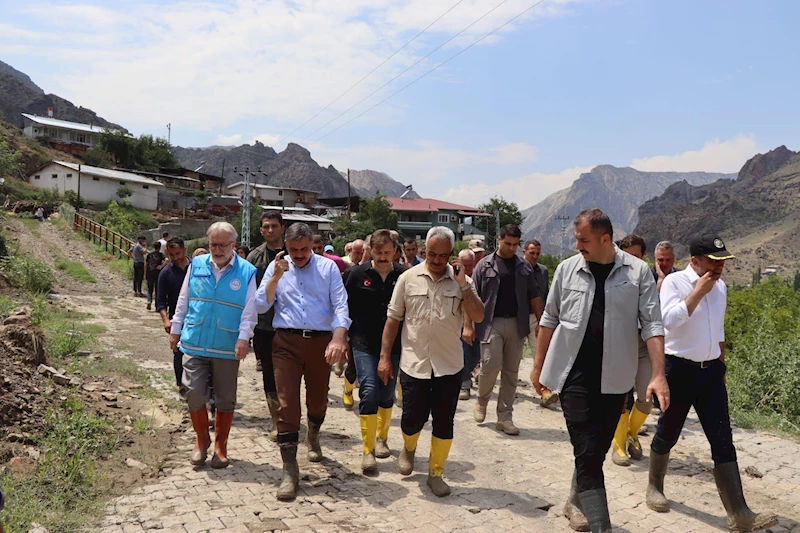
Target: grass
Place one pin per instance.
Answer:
(123, 265)
(143, 425)
(31, 223)
(75, 270)
(765, 421)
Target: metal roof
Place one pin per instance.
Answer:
(56, 123)
(298, 217)
(116, 175)
(431, 206)
(260, 186)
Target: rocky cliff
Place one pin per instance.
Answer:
(368, 182)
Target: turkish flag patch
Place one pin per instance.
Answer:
(367, 283)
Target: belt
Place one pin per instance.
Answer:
(306, 333)
(505, 316)
(697, 364)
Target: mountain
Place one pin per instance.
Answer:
(19, 94)
(617, 191)
(368, 182)
(756, 214)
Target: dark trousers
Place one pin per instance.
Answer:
(591, 420)
(138, 277)
(472, 356)
(295, 358)
(433, 397)
(177, 367)
(705, 390)
(152, 283)
(351, 371)
(372, 393)
(262, 346)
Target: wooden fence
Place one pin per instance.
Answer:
(112, 241)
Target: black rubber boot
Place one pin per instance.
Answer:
(291, 473)
(595, 507)
(740, 517)
(655, 483)
(312, 440)
(572, 509)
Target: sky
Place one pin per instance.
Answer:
(528, 94)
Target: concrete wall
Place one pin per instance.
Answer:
(180, 227)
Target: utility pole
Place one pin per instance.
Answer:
(563, 219)
(348, 194)
(169, 133)
(245, 173)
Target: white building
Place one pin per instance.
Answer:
(98, 185)
(82, 136)
(275, 196)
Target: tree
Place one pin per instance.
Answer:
(124, 191)
(143, 153)
(374, 213)
(509, 214)
(9, 158)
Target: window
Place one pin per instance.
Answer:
(69, 176)
(95, 178)
(280, 193)
(37, 177)
(444, 219)
(145, 186)
(54, 176)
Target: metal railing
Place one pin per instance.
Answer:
(112, 241)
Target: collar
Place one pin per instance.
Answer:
(620, 259)
(691, 274)
(311, 261)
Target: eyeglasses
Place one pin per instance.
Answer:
(218, 246)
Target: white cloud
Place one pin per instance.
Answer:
(514, 154)
(206, 65)
(227, 140)
(714, 156)
(268, 139)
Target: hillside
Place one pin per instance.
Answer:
(617, 191)
(33, 153)
(368, 182)
(756, 214)
(19, 94)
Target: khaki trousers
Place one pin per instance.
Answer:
(501, 354)
(532, 334)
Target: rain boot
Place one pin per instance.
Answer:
(272, 404)
(740, 517)
(618, 454)
(200, 425)
(655, 482)
(405, 463)
(291, 472)
(369, 426)
(572, 509)
(223, 429)
(440, 449)
(347, 394)
(635, 423)
(312, 440)
(595, 507)
(384, 422)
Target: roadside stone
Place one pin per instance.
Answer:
(37, 528)
(60, 379)
(133, 463)
(22, 438)
(752, 471)
(83, 353)
(109, 396)
(22, 466)
(46, 370)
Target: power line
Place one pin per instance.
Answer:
(406, 70)
(370, 73)
(431, 70)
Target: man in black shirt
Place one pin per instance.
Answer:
(272, 229)
(369, 289)
(170, 281)
(155, 261)
(506, 285)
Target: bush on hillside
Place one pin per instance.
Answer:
(125, 219)
(27, 273)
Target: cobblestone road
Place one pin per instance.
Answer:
(500, 483)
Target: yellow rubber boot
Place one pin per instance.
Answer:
(618, 454)
(440, 449)
(347, 394)
(405, 463)
(635, 423)
(369, 426)
(384, 422)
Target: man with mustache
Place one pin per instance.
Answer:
(311, 322)
(693, 303)
(587, 352)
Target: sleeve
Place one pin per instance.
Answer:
(249, 314)
(161, 293)
(341, 312)
(649, 307)
(553, 305)
(533, 285)
(397, 305)
(477, 279)
(673, 307)
(262, 305)
(182, 306)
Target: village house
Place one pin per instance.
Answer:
(415, 216)
(276, 196)
(97, 185)
(72, 137)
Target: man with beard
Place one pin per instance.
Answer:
(272, 229)
(693, 302)
(587, 352)
(311, 322)
(214, 320)
(170, 281)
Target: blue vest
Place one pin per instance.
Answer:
(211, 327)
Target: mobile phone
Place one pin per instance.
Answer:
(456, 270)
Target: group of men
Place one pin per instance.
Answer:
(428, 321)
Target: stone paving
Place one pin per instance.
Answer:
(500, 483)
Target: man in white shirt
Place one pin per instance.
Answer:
(693, 305)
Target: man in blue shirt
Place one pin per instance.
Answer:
(311, 322)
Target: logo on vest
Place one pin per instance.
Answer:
(367, 283)
(236, 284)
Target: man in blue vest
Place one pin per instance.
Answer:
(214, 320)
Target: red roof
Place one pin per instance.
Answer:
(429, 205)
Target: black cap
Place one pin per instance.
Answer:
(711, 246)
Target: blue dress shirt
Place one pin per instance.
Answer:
(312, 297)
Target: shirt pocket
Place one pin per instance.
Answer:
(418, 309)
(451, 304)
(573, 302)
(622, 299)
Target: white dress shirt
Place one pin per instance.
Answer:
(249, 314)
(695, 337)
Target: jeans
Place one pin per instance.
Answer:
(152, 283)
(372, 393)
(705, 390)
(138, 277)
(591, 420)
(472, 356)
(436, 397)
(262, 346)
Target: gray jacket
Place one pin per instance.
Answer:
(631, 294)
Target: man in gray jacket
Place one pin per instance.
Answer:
(587, 351)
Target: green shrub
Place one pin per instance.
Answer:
(71, 198)
(28, 273)
(125, 219)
